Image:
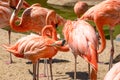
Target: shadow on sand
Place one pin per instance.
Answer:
(79, 75)
(53, 61)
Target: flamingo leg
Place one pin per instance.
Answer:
(9, 35)
(112, 49)
(75, 69)
(37, 69)
(50, 60)
(45, 68)
(88, 68)
(34, 71)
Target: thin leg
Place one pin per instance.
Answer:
(88, 68)
(75, 67)
(9, 35)
(45, 68)
(51, 68)
(34, 71)
(37, 69)
(112, 49)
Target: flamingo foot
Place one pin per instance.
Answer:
(42, 75)
(9, 62)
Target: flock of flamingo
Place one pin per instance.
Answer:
(79, 36)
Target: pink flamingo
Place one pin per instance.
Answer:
(34, 47)
(82, 40)
(36, 16)
(113, 73)
(5, 14)
(80, 8)
(105, 13)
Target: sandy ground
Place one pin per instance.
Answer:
(63, 63)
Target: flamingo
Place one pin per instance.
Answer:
(5, 14)
(105, 13)
(34, 47)
(36, 16)
(80, 8)
(82, 40)
(113, 73)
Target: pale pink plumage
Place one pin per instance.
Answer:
(105, 13)
(82, 40)
(5, 14)
(114, 73)
(35, 18)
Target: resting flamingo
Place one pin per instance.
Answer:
(80, 8)
(36, 16)
(82, 40)
(105, 13)
(34, 47)
(114, 73)
(5, 14)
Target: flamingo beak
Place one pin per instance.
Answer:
(59, 43)
(14, 8)
(63, 42)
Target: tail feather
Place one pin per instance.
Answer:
(92, 59)
(13, 51)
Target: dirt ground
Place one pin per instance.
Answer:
(63, 63)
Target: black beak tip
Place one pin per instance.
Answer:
(63, 42)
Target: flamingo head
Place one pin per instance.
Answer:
(60, 21)
(13, 4)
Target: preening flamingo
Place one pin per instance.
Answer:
(113, 73)
(82, 40)
(35, 18)
(80, 8)
(34, 47)
(5, 14)
(105, 13)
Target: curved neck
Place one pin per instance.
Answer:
(51, 18)
(50, 30)
(14, 17)
(102, 36)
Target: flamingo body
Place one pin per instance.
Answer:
(114, 73)
(27, 46)
(105, 13)
(36, 16)
(5, 13)
(82, 40)
(34, 47)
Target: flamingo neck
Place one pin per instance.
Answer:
(64, 48)
(14, 18)
(51, 30)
